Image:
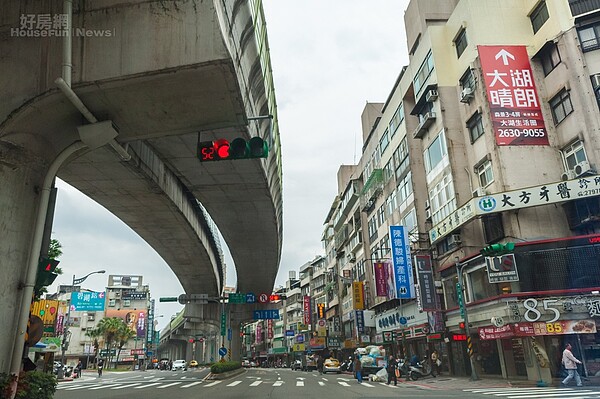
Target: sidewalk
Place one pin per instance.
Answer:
(459, 383)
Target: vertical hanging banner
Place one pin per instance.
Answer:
(270, 329)
(514, 105)
(358, 298)
(259, 333)
(307, 310)
(427, 295)
(360, 321)
(380, 278)
(403, 272)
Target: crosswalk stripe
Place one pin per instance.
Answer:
(104, 386)
(278, 383)
(321, 383)
(256, 383)
(212, 384)
(366, 384)
(299, 383)
(343, 383)
(168, 385)
(80, 387)
(127, 386)
(234, 383)
(146, 386)
(192, 384)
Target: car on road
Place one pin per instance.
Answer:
(179, 365)
(246, 363)
(193, 364)
(331, 365)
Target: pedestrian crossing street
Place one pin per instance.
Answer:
(538, 393)
(160, 383)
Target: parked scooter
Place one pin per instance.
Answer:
(347, 365)
(421, 369)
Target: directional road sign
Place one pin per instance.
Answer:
(222, 351)
(168, 299)
(266, 314)
(250, 298)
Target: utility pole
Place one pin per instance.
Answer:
(460, 267)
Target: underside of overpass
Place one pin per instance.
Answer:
(176, 73)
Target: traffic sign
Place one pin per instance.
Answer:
(289, 333)
(222, 351)
(403, 320)
(223, 324)
(250, 297)
(266, 314)
(229, 333)
(263, 298)
(237, 298)
(168, 299)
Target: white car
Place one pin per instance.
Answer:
(179, 365)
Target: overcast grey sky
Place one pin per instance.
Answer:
(329, 58)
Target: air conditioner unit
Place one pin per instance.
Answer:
(581, 168)
(479, 192)
(428, 213)
(427, 204)
(466, 95)
(568, 175)
(455, 239)
(351, 257)
(596, 80)
(431, 96)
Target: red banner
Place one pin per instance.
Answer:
(307, 310)
(380, 278)
(270, 329)
(258, 333)
(514, 105)
(527, 329)
(486, 333)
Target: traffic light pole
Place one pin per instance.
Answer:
(460, 267)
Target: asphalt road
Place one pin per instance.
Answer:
(280, 383)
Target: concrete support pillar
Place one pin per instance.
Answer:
(236, 342)
(22, 175)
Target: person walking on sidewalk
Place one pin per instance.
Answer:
(392, 368)
(570, 362)
(435, 363)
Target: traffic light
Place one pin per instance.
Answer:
(222, 149)
(274, 298)
(45, 274)
(498, 249)
(461, 325)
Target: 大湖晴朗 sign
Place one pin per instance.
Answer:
(514, 104)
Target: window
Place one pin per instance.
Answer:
(384, 141)
(589, 37)
(381, 215)
(423, 73)
(561, 106)
(388, 171)
(485, 174)
(397, 119)
(442, 199)
(539, 16)
(111, 303)
(126, 302)
(468, 80)
(372, 226)
(401, 158)
(573, 154)
(461, 42)
(390, 202)
(549, 58)
(475, 126)
(410, 220)
(405, 188)
(435, 152)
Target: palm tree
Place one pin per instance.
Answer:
(124, 334)
(94, 334)
(109, 328)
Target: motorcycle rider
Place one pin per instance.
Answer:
(100, 366)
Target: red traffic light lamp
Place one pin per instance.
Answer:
(223, 149)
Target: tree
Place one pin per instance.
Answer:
(109, 328)
(94, 334)
(123, 335)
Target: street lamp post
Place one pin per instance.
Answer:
(66, 322)
(460, 267)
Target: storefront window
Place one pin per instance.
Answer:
(480, 288)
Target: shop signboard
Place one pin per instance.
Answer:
(403, 273)
(380, 269)
(360, 321)
(337, 328)
(388, 336)
(334, 343)
(501, 269)
(379, 338)
(317, 343)
(298, 348)
(487, 333)
(307, 309)
(427, 296)
(357, 295)
(528, 329)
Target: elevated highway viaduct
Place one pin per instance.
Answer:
(169, 74)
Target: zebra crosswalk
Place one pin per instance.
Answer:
(200, 384)
(538, 393)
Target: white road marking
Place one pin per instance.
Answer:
(278, 383)
(146, 386)
(192, 384)
(343, 383)
(367, 385)
(212, 384)
(321, 383)
(104, 386)
(256, 383)
(127, 386)
(168, 385)
(299, 383)
(234, 383)
(80, 387)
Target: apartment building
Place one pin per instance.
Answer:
(488, 136)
